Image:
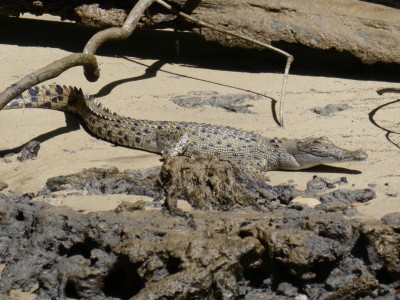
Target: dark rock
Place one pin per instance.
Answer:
(29, 151)
(354, 288)
(287, 289)
(3, 185)
(229, 255)
(392, 219)
(333, 206)
(350, 211)
(129, 206)
(383, 249)
(349, 196)
(321, 184)
(97, 181)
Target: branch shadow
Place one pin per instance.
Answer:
(72, 123)
(371, 116)
(152, 70)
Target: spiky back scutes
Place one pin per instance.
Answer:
(98, 119)
(54, 97)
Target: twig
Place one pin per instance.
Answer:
(388, 90)
(289, 57)
(52, 70)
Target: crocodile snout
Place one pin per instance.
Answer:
(360, 155)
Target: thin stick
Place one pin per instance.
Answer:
(289, 57)
(388, 90)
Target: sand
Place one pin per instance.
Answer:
(128, 88)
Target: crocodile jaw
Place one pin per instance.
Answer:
(311, 152)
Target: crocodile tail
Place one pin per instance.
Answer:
(53, 96)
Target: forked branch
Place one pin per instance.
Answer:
(88, 61)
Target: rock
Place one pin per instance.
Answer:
(318, 184)
(392, 219)
(383, 248)
(349, 196)
(129, 206)
(286, 289)
(96, 181)
(3, 185)
(29, 151)
(215, 255)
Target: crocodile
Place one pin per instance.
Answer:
(170, 138)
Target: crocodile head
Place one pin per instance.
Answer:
(298, 154)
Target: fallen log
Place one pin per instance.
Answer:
(369, 31)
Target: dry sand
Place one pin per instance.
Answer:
(136, 92)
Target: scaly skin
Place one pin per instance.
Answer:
(187, 138)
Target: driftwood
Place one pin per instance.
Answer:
(369, 31)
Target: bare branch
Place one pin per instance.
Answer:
(388, 90)
(289, 57)
(118, 33)
(52, 70)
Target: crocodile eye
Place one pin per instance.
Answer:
(324, 138)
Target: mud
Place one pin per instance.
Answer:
(233, 103)
(98, 181)
(135, 254)
(230, 251)
(331, 109)
(206, 183)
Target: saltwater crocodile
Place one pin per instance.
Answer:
(187, 138)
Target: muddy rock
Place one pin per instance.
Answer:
(392, 219)
(293, 253)
(342, 199)
(96, 181)
(233, 103)
(210, 183)
(318, 184)
(331, 109)
(349, 196)
(29, 151)
(3, 185)
(382, 241)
